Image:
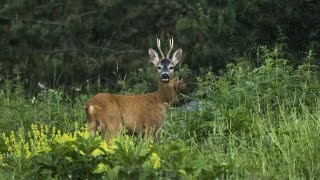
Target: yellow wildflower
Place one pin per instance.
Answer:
(100, 168)
(111, 145)
(155, 160)
(65, 137)
(98, 152)
(27, 150)
(84, 134)
(38, 138)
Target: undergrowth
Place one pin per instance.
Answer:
(247, 122)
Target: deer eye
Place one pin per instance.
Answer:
(159, 67)
(171, 67)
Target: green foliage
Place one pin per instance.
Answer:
(67, 43)
(257, 118)
(19, 110)
(247, 122)
(49, 154)
(69, 159)
(243, 90)
(55, 155)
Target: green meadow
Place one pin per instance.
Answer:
(246, 122)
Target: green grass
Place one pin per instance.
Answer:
(273, 145)
(251, 122)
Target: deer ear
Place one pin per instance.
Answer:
(177, 56)
(153, 55)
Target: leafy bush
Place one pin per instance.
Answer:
(247, 122)
(50, 153)
(244, 90)
(65, 44)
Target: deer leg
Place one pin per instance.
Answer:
(112, 130)
(92, 127)
(155, 136)
(111, 133)
(150, 133)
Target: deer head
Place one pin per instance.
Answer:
(165, 65)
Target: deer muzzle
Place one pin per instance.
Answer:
(165, 77)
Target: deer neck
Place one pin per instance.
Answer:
(166, 92)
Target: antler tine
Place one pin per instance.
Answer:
(159, 47)
(171, 46)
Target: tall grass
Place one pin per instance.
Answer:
(247, 122)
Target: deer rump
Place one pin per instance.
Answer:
(143, 113)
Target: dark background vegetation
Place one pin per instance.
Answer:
(65, 43)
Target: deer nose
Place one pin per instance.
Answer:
(165, 76)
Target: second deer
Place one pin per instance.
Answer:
(144, 113)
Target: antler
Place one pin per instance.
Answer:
(171, 46)
(159, 47)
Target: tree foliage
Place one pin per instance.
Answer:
(69, 42)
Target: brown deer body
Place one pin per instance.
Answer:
(144, 113)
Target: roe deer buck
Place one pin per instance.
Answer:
(144, 113)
